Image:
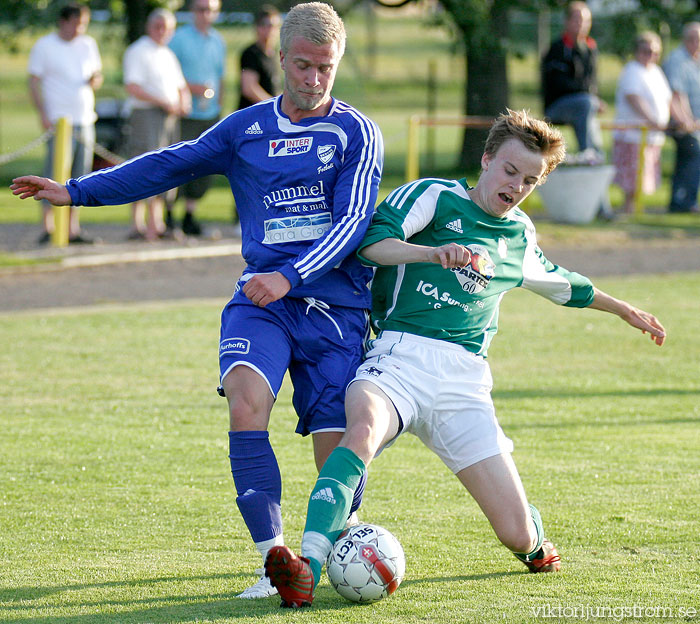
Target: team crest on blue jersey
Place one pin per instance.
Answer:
(476, 275)
(325, 153)
(290, 147)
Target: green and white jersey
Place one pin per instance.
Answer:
(459, 305)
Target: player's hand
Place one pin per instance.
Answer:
(450, 256)
(41, 188)
(170, 108)
(265, 288)
(648, 323)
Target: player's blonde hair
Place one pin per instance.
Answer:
(535, 134)
(315, 21)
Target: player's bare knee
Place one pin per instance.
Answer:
(362, 438)
(245, 415)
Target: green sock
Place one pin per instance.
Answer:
(537, 519)
(329, 506)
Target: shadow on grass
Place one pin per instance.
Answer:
(458, 579)
(18, 594)
(173, 608)
(573, 393)
(624, 420)
(184, 607)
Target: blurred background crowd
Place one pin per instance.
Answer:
(138, 76)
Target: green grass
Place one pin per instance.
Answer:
(117, 503)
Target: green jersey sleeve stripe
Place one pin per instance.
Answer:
(394, 198)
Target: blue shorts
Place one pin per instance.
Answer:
(321, 346)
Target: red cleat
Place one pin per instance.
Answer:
(548, 561)
(291, 575)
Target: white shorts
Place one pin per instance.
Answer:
(442, 393)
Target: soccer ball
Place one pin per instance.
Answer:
(366, 564)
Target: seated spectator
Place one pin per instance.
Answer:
(642, 97)
(569, 79)
(682, 69)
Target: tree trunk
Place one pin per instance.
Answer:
(486, 81)
(136, 14)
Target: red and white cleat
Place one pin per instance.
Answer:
(291, 575)
(548, 561)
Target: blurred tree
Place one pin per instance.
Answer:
(136, 12)
(483, 28)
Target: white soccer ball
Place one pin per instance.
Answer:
(366, 564)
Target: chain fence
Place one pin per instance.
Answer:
(18, 153)
(110, 157)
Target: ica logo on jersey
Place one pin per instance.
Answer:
(290, 147)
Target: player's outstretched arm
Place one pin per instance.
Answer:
(41, 188)
(640, 319)
(390, 251)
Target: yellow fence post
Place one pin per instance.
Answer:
(413, 150)
(638, 208)
(62, 159)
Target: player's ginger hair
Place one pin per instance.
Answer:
(535, 134)
(315, 21)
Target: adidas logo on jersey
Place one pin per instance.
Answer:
(254, 129)
(455, 226)
(326, 494)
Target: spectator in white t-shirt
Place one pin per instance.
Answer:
(64, 70)
(158, 97)
(642, 97)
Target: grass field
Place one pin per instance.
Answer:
(117, 503)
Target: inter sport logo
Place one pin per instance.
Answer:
(290, 147)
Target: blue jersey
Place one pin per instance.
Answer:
(305, 192)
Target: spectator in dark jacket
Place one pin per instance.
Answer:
(569, 81)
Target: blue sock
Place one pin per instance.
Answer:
(359, 492)
(258, 483)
